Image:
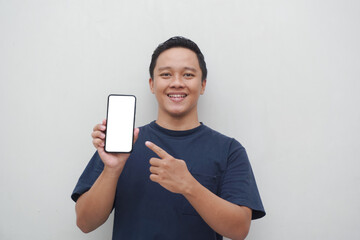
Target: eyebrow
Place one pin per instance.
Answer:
(186, 68)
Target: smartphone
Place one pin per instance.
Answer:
(120, 121)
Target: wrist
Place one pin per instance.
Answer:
(191, 187)
(112, 172)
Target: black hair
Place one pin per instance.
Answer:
(183, 42)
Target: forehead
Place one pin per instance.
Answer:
(177, 57)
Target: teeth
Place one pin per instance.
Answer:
(177, 96)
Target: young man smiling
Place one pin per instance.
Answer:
(177, 84)
(183, 180)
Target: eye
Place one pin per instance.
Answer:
(165, 75)
(189, 75)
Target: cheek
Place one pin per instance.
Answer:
(160, 87)
(198, 88)
(157, 89)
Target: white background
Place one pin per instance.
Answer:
(284, 79)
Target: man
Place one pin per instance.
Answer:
(182, 180)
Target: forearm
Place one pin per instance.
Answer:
(94, 207)
(227, 219)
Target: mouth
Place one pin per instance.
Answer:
(177, 97)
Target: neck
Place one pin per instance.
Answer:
(178, 123)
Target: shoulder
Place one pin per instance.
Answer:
(220, 137)
(144, 128)
(214, 133)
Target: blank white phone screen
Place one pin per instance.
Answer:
(120, 123)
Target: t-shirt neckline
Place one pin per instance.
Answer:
(176, 133)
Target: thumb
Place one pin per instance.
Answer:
(136, 134)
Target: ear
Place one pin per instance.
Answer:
(203, 85)
(151, 84)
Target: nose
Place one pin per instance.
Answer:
(177, 81)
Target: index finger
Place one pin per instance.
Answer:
(158, 150)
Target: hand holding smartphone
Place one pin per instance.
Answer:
(120, 121)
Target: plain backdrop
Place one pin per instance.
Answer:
(284, 80)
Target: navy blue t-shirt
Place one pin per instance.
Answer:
(146, 210)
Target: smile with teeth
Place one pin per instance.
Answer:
(177, 95)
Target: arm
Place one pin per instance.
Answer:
(226, 218)
(94, 207)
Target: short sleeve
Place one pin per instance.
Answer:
(238, 183)
(88, 177)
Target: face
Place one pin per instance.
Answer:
(177, 83)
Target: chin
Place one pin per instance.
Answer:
(176, 113)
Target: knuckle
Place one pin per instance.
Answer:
(94, 134)
(171, 161)
(97, 142)
(183, 163)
